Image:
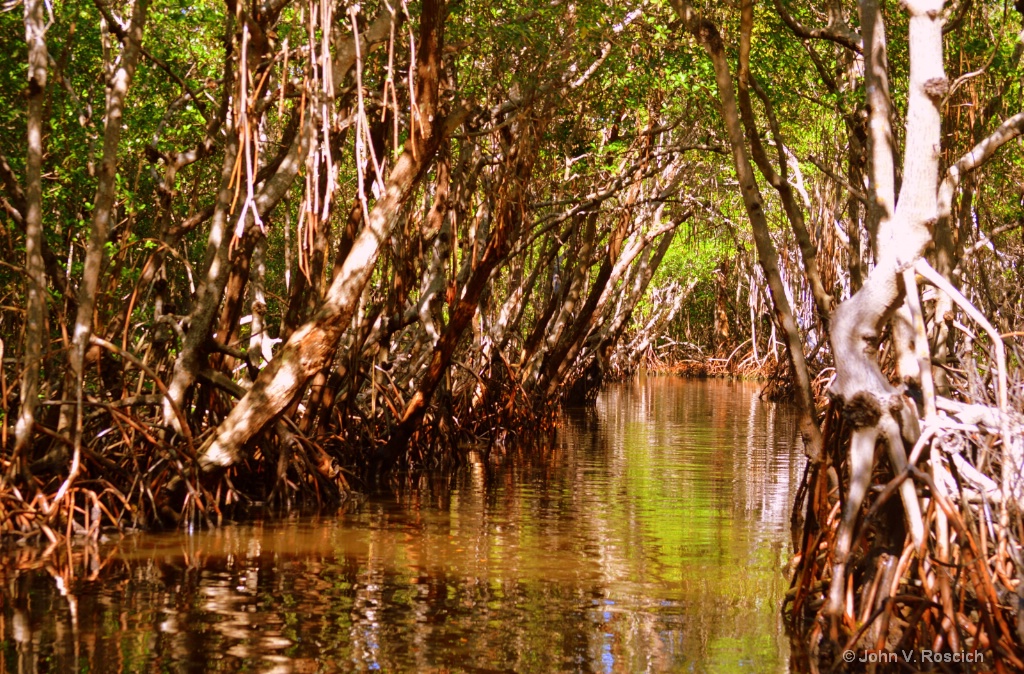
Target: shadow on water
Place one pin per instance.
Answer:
(651, 535)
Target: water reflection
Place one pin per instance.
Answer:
(650, 536)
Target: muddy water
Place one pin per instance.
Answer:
(651, 536)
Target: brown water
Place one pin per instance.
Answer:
(652, 536)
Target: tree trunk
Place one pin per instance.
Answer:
(555, 294)
(722, 339)
(881, 169)
(945, 260)
(494, 254)
(508, 323)
(106, 194)
(35, 281)
(870, 403)
(779, 180)
(533, 375)
(434, 275)
(186, 366)
(708, 36)
(881, 145)
(234, 297)
(211, 290)
(564, 354)
(612, 332)
(259, 341)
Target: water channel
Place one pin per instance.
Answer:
(652, 535)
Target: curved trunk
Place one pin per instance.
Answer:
(211, 290)
(614, 327)
(463, 313)
(599, 315)
(535, 370)
(708, 36)
(779, 180)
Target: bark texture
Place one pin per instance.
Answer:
(777, 179)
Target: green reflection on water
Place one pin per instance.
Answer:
(650, 536)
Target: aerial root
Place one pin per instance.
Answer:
(956, 593)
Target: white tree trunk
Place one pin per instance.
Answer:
(871, 405)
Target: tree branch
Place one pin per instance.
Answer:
(836, 31)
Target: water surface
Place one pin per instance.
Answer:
(652, 535)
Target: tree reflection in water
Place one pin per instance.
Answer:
(649, 535)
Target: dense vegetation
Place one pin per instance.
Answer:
(254, 251)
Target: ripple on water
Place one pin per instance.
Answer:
(649, 537)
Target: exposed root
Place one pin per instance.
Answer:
(958, 594)
(137, 474)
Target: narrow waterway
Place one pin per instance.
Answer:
(651, 536)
